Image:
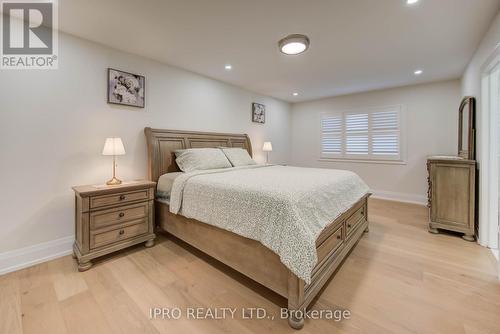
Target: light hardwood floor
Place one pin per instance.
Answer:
(399, 279)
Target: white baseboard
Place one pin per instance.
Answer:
(31, 255)
(400, 197)
(495, 253)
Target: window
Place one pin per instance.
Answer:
(371, 134)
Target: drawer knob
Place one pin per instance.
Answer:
(339, 237)
(121, 232)
(349, 225)
(122, 197)
(121, 215)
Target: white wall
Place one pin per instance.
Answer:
(431, 117)
(53, 125)
(471, 80)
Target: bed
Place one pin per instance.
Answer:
(248, 256)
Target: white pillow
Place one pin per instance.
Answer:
(238, 156)
(200, 159)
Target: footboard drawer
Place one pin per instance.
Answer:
(355, 219)
(335, 252)
(330, 244)
(331, 252)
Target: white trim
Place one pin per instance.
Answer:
(493, 177)
(369, 156)
(483, 161)
(31, 255)
(383, 162)
(488, 159)
(495, 253)
(400, 197)
(492, 60)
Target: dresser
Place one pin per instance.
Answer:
(452, 195)
(110, 218)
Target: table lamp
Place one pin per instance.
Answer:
(267, 147)
(114, 147)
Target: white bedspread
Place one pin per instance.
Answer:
(285, 208)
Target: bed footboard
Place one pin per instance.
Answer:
(252, 259)
(333, 246)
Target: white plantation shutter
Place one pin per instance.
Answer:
(356, 134)
(373, 134)
(385, 133)
(331, 135)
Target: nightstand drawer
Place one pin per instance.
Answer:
(103, 218)
(100, 239)
(114, 199)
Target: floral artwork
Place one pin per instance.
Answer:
(126, 88)
(258, 113)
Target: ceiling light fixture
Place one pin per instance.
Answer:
(228, 67)
(295, 94)
(418, 72)
(411, 2)
(294, 44)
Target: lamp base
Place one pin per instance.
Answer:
(114, 181)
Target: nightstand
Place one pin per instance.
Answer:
(111, 218)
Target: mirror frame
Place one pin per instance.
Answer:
(470, 151)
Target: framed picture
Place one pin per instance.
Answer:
(258, 113)
(126, 88)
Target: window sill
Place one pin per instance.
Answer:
(380, 162)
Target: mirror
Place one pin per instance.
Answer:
(465, 132)
(467, 128)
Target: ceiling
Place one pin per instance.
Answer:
(356, 45)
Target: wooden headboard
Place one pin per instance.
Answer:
(163, 143)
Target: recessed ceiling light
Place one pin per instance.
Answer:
(295, 94)
(228, 67)
(294, 44)
(418, 72)
(411, 2)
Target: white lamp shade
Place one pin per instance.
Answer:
(113, 146)
(267, 147)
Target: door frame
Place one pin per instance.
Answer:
(488, 152)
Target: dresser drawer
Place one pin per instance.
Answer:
(330, 244)
(103, 218)
(100, 239)
(355, 219)
(114, 199)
